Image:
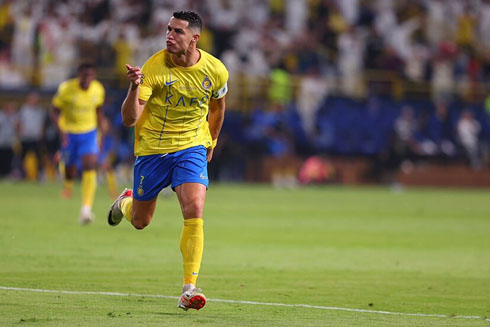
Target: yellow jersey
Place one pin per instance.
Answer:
(175, 114)
(78, 106)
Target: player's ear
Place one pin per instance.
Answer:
(195, 38)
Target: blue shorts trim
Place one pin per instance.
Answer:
(154, 172)
(78, 146)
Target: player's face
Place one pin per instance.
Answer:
(179, 36)
(85, 77)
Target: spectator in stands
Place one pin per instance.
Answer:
(8, 122)
(466, 26)
(443, 79)
(312, 92)
(438, 24)
(426, 147)
(296, 17)
(403, 148)
(32, 119)
(10, 76)
(57, 47)
(405, 126)
(27, 17)
(484, 24)
(350, 60)
(50, 147)
(374, 48)
(486, 133)
(441, 130)
(224, 21)
(280, 89)
(438, 47)
(468, 129)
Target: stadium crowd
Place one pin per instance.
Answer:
(444, 41)
(296, 58)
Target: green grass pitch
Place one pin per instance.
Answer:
(334, 248)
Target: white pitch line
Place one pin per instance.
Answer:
(247, 302)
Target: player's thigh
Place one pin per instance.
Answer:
(69, 150)
(142, 212)
(190, 181)
(89, 161)
(88, 149)
(151, 175)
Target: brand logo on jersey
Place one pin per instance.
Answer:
(142, 79)
(168, 83)
(203, 177)
(206, 83)
(184, 101)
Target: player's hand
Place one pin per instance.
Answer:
(210, 154)
(134, 74)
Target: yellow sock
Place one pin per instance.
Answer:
(191, 246)
(68, 185)
(61, 168)
(67, 190)
(30, 166)
(111, 182)
(89, 185)
(127, 207)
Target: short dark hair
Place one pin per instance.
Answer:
(192, 17)
(85, 65)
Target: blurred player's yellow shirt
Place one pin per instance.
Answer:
(78, 106)
(175, 115)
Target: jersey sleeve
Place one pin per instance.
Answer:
(58, 98)
(147, 82)
(101, 99)
(222, 86)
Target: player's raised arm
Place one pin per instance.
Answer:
(132, 107)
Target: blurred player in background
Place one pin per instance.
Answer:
(168, 102)
(77, 112)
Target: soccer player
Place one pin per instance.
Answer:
(168, 102)
(77, 111)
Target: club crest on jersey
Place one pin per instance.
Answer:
(206, 83)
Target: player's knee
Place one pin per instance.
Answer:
(193, 209)
(139, 223)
